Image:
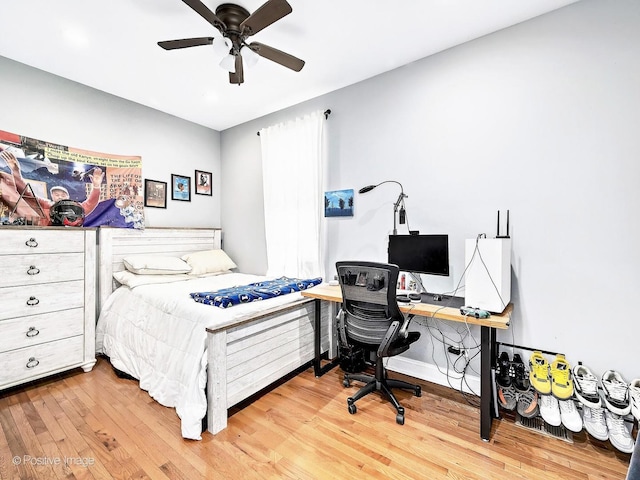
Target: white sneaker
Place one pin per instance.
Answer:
(585, 386)
(595, 424)
(634, 396)
(569, 415)
(619, 435)
(550, 410)
(615, 393)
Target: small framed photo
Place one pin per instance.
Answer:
(203, 183)
(338, 203)
(180, 188)
(155, 194)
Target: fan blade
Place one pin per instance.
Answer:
(264, 16)
(277, 56)
(205, 13)
(186, 42)
(237, 77)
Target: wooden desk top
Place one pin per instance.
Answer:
(332, 293)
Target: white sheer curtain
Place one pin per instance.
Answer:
(292, 178)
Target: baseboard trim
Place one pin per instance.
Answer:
(430, 373)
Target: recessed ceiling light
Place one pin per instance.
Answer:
(76, 37)
(211, 96)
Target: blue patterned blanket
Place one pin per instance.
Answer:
(228, 297)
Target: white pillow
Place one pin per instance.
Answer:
(208, 261)
(209, 274)
(155, 265)
(133, 280)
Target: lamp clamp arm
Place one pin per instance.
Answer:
(400, 200)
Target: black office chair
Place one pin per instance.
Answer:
(370, 318)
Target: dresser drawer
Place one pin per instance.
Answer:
(41, 268)
(32, 241)
(31, 362)
(44, 298)
(36, 329)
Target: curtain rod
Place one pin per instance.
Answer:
(327, 112)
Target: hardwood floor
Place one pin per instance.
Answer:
(98, 426)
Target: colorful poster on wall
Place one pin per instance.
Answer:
(35, 174)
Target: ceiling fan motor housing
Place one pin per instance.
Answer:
(232, 16)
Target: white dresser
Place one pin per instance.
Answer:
(47, 302)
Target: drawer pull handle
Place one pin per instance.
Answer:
(33, 363)
(33, 270)
(31, 243)
(33, 331)
(33, 301)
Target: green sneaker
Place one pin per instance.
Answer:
(539, 373)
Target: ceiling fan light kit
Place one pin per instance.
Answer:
(236, 24)
(228, 62)
(249, 56)
(221, 47)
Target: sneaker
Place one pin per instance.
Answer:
(586, 386)
(520, 376)
(539, 373)
(570, 416)
(619, 435)
(594, 423)
(528, 403)
(502, 370)
(550, 410)
(561, 383)
(615, 393)
(507, 397)
(634, 396)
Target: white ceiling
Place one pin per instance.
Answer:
(112, 46)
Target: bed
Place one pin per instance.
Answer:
(180, 349)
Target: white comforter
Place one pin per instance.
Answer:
(156, 333)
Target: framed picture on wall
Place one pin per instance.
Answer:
(155, 194)
(203, 183)
(338, 203)
(180, 188)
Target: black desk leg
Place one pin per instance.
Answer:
(318, 370)
(487, 352)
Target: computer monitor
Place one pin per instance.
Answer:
(427, 254)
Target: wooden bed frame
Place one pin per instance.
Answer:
(245, 357)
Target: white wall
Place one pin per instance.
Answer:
(542, 119)
(39, 105)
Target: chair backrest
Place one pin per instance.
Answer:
(369, 299)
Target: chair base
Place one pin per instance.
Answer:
(382, 384)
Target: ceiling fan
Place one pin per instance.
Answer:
(236, 24)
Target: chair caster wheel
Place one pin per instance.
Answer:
(352, 408)
(346, 382)
(400, 419)
(418, 391)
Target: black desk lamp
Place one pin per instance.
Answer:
(396, 206)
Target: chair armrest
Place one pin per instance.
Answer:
(404, 330)
(341, 328)
(391, 334)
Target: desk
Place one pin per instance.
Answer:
(488, 326)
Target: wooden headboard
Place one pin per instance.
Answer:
(114, 244)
